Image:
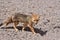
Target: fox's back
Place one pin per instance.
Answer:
(21, 17)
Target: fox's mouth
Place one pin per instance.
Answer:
(35, 24)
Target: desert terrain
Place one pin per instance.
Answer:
(48, 27)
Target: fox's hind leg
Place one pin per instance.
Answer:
(15, 24)
(7, 21)
(6, 26)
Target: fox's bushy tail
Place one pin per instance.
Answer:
(1, 24)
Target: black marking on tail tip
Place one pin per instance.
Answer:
(1, 24)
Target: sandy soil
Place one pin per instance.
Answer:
(48, 27)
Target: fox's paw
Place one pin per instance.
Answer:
(34, 33)
(16, 30)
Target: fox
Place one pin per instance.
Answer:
(27, 20)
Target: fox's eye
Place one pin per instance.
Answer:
(36, 20)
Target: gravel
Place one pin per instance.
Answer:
(48, 27)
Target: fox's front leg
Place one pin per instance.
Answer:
(15, 24)
(32, 29)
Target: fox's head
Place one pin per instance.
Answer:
(35, 18)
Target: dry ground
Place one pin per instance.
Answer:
(48, 27)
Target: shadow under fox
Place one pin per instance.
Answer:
(27, 20)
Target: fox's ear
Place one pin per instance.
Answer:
(34, 14)
(40, 16)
